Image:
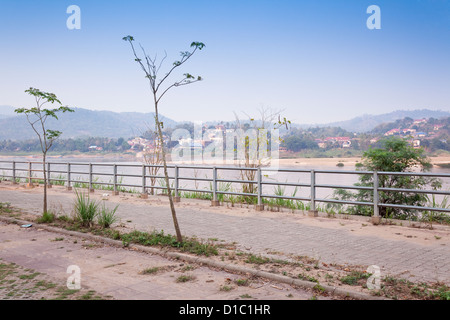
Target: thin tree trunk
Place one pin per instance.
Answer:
(166, 176)
(45, 183)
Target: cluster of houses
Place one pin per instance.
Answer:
(337, 142)
(139, 144)
(418, 130)
(413, 134)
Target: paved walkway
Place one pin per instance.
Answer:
(416, 253)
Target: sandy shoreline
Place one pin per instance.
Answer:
(350, 161)
(345, 161)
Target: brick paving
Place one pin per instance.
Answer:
(353, 242)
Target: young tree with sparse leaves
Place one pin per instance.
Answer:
(159, 87)
(37, 117)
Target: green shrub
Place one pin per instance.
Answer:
(86, 210)
(106, 217)
(47, 217)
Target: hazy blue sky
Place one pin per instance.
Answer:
(317, 60)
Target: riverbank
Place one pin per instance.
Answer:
(440, 161)
(351, 161)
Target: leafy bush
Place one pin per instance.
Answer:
(395, 155)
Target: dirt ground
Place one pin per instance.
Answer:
(34, 264)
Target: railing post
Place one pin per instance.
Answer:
(176, 198)
(144, 194)
(49, 184)
(30, 184)
(68, 186)
(14, 172)
(376, 219)
(115, 192)
(91, 189)
(312, 210)
(260, 205)
(214, 201)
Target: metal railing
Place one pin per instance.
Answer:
(10, 169)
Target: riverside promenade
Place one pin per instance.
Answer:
(417, 252)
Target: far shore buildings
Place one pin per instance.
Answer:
(341, 142)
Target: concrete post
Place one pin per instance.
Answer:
(312, 210)
(260, 205)
(144, 194)
(49, 184)
(14, 172)
(176, 198)
(215, 202)
(91, 189)
(115, 192)
(68, 185)
(30, 183)
(376, 219)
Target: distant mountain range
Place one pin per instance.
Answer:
(368, 122)
(81, 123)
(89, 123)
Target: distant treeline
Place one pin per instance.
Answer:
(61, 145)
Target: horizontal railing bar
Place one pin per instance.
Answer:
(423, 174)
(193, 167)
(146, 187)
(285, 197)
(293, 184)
(96, 164)
(237, 181)
(99, 174)
(194, 190)
(129, 175)
(237, 193)
(414, 191)
(102, 183)
(126, 185)
(237, 168)
(343, 187)
(285, 170)
(155, 176)
(195, 179)
(343, 172)
(401, 206)
(77, 172)
(361, 203)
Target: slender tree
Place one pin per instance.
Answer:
(159, 87)
(37, 117)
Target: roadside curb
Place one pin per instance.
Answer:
(193, 259)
